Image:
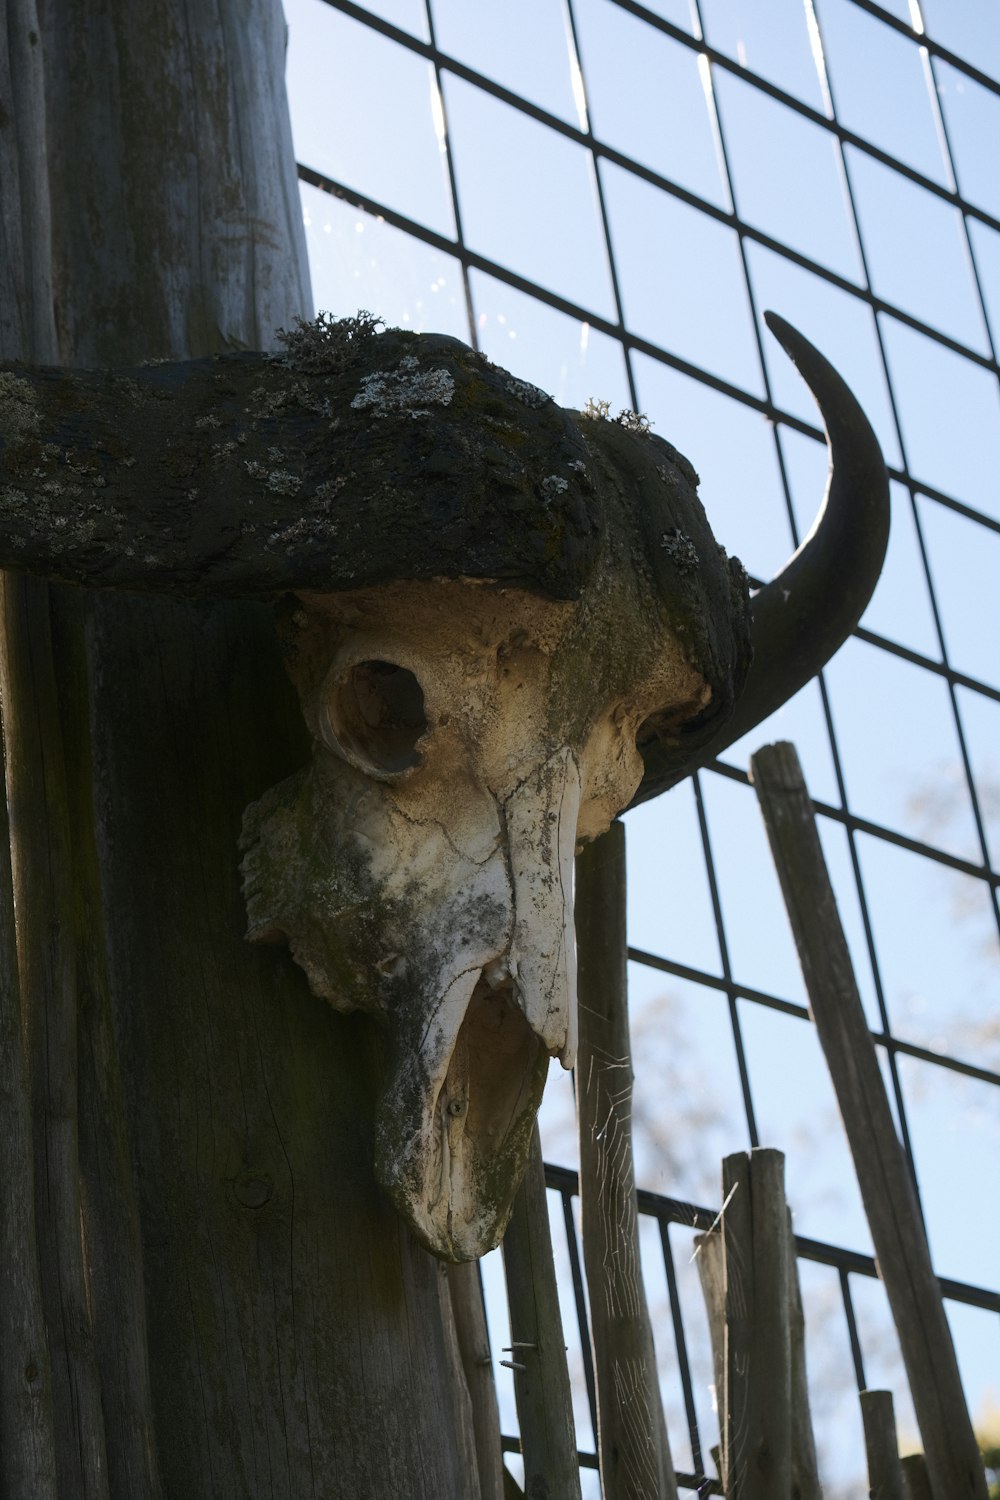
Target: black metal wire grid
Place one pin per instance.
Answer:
(671, 1211)
(667, 1211)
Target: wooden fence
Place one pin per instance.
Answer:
(746, 1261)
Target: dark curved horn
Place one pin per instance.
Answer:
(809, 609)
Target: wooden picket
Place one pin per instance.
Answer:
(747, 1261)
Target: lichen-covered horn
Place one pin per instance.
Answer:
(350, 458)
(808, 609)
(354, 457)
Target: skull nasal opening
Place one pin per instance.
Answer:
(374, 715)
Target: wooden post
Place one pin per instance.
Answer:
(538, 1352)
(259, 1320)
(711, 1261)
(474, 1347)
(632, 1438)
(901, 1250)
(27, 1436)
(757, 1382)
(885, 1478)
(916, 1480)
(710, 1251)
(805, 1470)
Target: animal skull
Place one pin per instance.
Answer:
(502, 616)
(467, 736)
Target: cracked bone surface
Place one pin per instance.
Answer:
(467, 734)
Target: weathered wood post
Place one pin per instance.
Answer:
(241, 1298)
(885, 1477)
(223, 1276)
(538, 1349)
(632, 1436)
(757, 1379)
(730, 1348)
(887, 1191)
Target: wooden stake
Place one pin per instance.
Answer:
(27, 1435)
(904, 1263)
(632, 1437)
(885, 1477)
(757, 1389)
(710, 1256)
(805, 1470)
(710, 1253)
(474, 1348)
(538, 1355)
(916, 1480)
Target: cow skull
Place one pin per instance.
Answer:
(467, 736)
(496, 607)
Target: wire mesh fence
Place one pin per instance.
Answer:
(604, 196)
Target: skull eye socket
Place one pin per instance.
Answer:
(374, 716)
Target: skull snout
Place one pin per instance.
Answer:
(458, 1112)
(541, 820)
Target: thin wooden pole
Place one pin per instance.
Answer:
(474, 1347)
(885, 1477)
(538, 1352)
(464, 1439)
(916, 1480)
(46, 898)
(27, 1434)
(904, 1262)
(757, 1387)
(28, 1456)
(632, 1437)
(805, 1469)
(711, 1261)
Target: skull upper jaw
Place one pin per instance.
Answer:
(473, 998)
(451, 1148)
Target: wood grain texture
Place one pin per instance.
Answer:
(28, 1459)
(28, 1464)
(541, 1376)
(901, 1250)
(632, 1439)
(46, 893)
(176, 220)
(298, 1342)
(27, 323)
